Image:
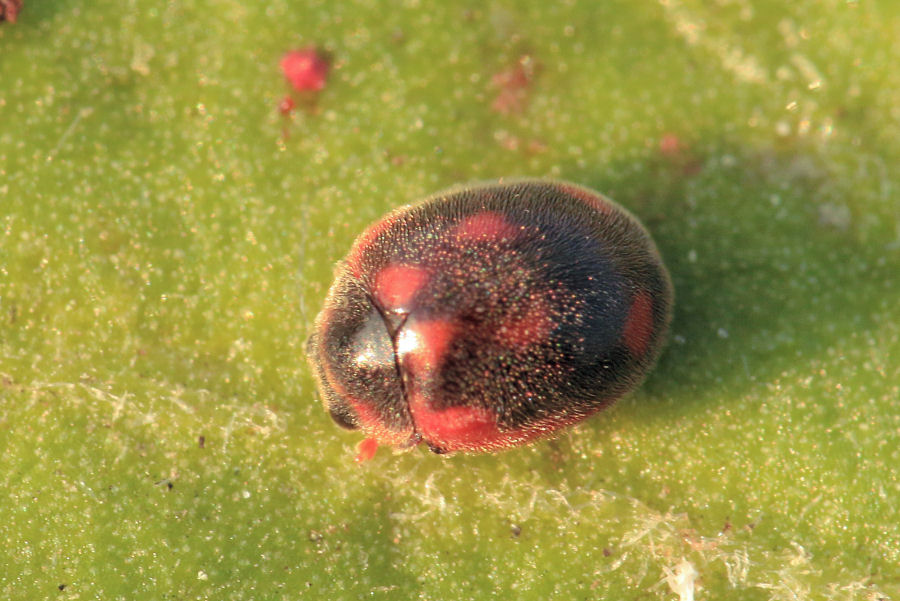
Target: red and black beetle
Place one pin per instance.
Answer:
(487, 316)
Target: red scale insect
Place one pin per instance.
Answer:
(488, 316)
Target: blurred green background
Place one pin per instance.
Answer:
(166, 238)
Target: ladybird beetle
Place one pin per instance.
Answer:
(487, 316)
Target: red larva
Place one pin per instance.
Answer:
(489, 316)
(305, 69)
(10, 9)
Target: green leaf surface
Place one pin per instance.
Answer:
(167, 237)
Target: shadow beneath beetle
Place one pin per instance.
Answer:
(770, 266)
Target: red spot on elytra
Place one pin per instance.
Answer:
(305, 69)
(639, 324)
(484, 226)
(366, 450)
(531, 326)
(474, 429)
(396, 285)
(456, 428)
(586, 196)
(421, 346)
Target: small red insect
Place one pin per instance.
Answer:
(305, 69)
(10, 9)
(489, 316)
